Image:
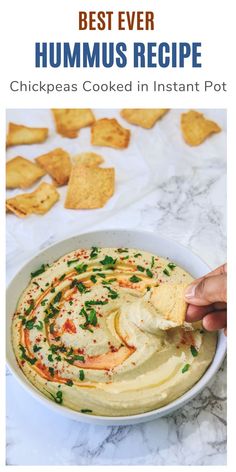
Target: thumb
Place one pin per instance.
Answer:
(208, 290)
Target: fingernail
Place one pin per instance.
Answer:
(190, 291)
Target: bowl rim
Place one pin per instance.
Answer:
(114, 420)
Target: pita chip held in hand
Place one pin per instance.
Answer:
(168, 299)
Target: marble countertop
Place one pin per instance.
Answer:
(184, 199)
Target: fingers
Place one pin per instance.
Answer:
(196, 313)
(214, 321)
(218, 271)
(208, 290)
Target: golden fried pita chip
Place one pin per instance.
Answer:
(89, 159)
(70, 120)
(39, 201)
(19, 134)
(89, 187)
(144, 117)
(22, 173)
(57, 164)
(108, 132)
(168, 299)
(196, 128)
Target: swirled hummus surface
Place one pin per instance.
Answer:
(85, 334)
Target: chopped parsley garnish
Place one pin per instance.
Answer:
(138, 254)
(50, 358)
(51, 328)
(92, 317)
(153, 262)
(135, 279)
(36, 348)
(85, 326)
(51, 370)
(80, 268)
(112, 293)
(108, 261)
(43, 302)
(37, 285)
(94, 252)
(39, 326)
(69, 263)
(57, 298)
(148, 289)
(194, 351)
(100, 274)
(58, 358)
(62, 277)
(62, 349)
(38, 271)
(108, 282)
(30, 323)
(140, 268)
(84, 410)
(30, 308)
(58, 398)
(81, 287)
(48, 316)
(69, 383)
(149, 273)
(93, 278)
(53, 290)
(166, 272)
(53, 348)
(75, 357)
(96, 269)
(171, 265)
(88, 303)
(121, 249)
(25, 357)
(83, 312)
(185, 368)
(125, 258)
(81, 375)
(74, 283)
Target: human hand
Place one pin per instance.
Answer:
(207, 299)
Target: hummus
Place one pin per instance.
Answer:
(86, 335)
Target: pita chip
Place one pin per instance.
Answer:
(89, 159)
(108, 132)
(70, 120)
(168, 299)
(22, 173)
(39, 201)
(144, 117)
(90, 187)
(19, 134)
(196, 128)
(57, 164)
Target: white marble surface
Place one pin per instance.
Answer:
(177, 191)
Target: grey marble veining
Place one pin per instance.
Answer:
(185, 201)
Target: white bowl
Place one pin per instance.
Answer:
(142, 240)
